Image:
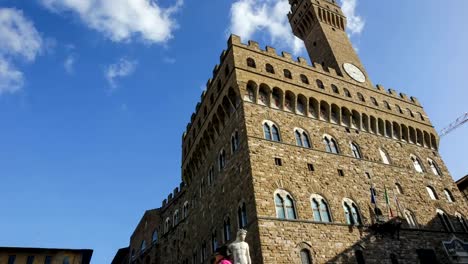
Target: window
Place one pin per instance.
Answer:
(410, 219)
(434, 168)
(310, 167)
(417, 164)
(410, 112)
(384, 156)
(227, 229)
(340, 172)
(432, 193)
(175, 220)
(399, 109)
(421, 116)
(351, 212)
(330, 145)
(66, 260)
(347, 93)
(222, 160)
(278, 162)
(335, 89)
(304, 79)
(48, 260)
(449, 196)
(204, 253)
(445, 221)
(269, 68)
(242, 215)
(155, 236)
(356, 151)
(30, 260)
(214, 241)
(271, 131)
(320, 84)
(302, 139)
(361, 97)
(387, 105)
(320, 209)
(287, 74)
(143, 246)
(398, 188)
(186, 206)
(235, 142)
(284, 205)
(251, 63)
(167, 225)
(305, 257)
(462, 222)
(394, 258)
(211, 176)
(251, 92)
(359, 257)
(374, 101)
(11, 259)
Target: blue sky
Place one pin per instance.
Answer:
(94, 98)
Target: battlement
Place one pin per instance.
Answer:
(173, 195)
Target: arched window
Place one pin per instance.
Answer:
(269, 68)
(264, 95)
(461, 222)
(320, 209)
(271, 131)
(304, 79)
(384, 156)
(417, 164)
(235, 142)
(66, 260)
(227, 229)
(445, 221)
(284, 203)
(387, 105)
(449, 196)
(351, 211)
(155, 236)
(356, 150)
(361, 97)
(410, 112)
(167, 225)
(251, 89)
(287, 74)
(432, 193)
(398, 188)
(410, 219)
(302, 139)
(242, 216)
(347, 93)
(251, 63)
(320, 84)
(186, 204)
(143, 246)
(305, 257)
(221, 160)
(214, 240)
(434, 168)
(175, 220)
(421, 116)
(374, 101)
(330, 145)
(399, 109)
(335, 89)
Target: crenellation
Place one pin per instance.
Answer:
(254, 45)
(287, 56)
(302, 61)
(271, 50)
(215, 71)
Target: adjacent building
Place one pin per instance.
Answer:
(463, 186)
(314, 161)
(18, 255)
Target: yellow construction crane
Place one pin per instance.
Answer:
(456, 124)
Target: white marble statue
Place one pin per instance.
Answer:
(240, 249)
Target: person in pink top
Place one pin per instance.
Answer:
(221, 256)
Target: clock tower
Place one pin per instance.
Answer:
(322, 26)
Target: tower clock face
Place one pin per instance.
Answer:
(354, 72)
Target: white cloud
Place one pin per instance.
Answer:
(269, 16)
(249, 17)
(69, 64)
(355, 22)
(19, 39)
(11, 80)
(122, 20)
(122, 68)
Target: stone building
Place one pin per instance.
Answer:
(314, 161)
(15, 255)
(463, 186)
